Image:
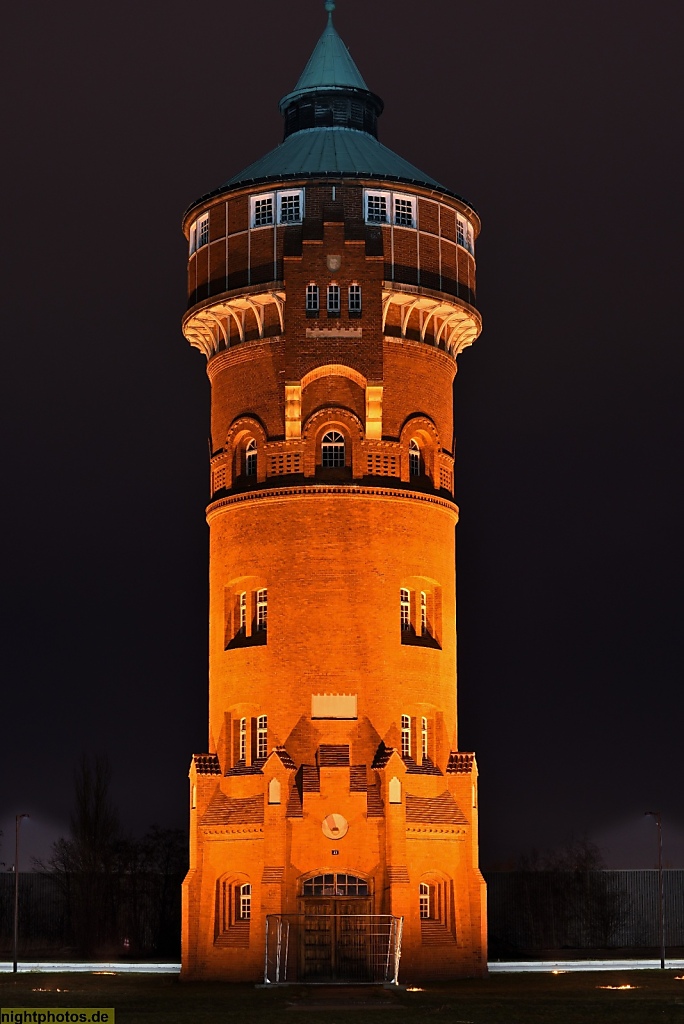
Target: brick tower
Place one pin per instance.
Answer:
(331, 288)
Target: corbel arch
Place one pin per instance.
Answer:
(422, 430)
(240, 433)
(341, 420)
(334, 370)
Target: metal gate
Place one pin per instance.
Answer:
(332, 947)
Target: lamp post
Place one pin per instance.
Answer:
(16, 889)
(659, 822)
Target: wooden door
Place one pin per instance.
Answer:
(334, 941)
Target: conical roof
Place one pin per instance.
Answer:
(330, 66)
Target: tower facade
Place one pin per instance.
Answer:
(331, 286)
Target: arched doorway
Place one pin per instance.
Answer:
(337, 937)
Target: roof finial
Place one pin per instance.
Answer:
(330, 7)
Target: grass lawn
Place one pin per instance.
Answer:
(657, 998)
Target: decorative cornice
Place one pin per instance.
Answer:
(433, 831)
(341, 490)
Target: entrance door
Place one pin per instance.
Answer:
(334, 940)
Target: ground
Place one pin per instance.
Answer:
(656, 998)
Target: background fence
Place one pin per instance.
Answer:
(529, 911)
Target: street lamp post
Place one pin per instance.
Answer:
(16, 889)
(661, 894)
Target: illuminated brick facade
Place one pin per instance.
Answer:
(331, 303)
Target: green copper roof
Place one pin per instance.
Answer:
(342, 151)
(330, 65)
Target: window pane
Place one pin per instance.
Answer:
(290, 208)
(333, 298)
(333, 450)
(262, 610)
(354, 298)
(377, 209)
(312, 299)
(403, 212)
(263, 211)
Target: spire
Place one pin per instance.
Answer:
(331, 65)
(331, 90)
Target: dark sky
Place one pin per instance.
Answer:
(561, 123)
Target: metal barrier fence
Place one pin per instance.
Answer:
(332, 948)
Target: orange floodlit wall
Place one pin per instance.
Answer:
(332, 633)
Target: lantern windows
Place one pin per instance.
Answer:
(262, 611)
(389, 208)
(251, 458)
(262, 737)
(405, 736)
(268, 208)
(199, 233)
(405, 610)
(464, 234)
(414, 458)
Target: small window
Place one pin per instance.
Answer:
(332, 450)
(274, 791)
(333, 300)
(245, 902)
(405, 610)
(424, 897)
(377, 207)
(193, 802)
(424, 738)
(262, 736)
(423, 614)
(354, 300)
(290, 207)
(199, 233)
(414, 458)
(405, 736)
(464, 234)
(262, 611)
(242, 613)
(312, 300)
(403, 212)
(251, 458)
(243, 739)
(262, 210)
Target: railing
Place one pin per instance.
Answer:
(361, 948)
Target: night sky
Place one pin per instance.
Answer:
(561, 124)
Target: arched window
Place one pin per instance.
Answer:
(405, 736)
(274, 791)
(414, 458)
(243, 739)
(394, 789)
(405, 609)
(262, 611)
(332, 450)
(244, 902)
(335, 885)
(423, 614)
(251, 458)
(424, 899)
(262, 736)
(424, 737)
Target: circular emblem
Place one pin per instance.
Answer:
(335, 826)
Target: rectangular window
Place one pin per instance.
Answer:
(424, 738)
(312, 300)
(290, 207)
(202, 230)
(405, 736)
(243, 739)
(423, 614)
(403, 212)
(377, 207)
(262, 611)
(354, 300)
(405, 607)
(424, 901)
(464, 234)
(262, 210)
(262, 736)
(333, 300)
(193, 237)
(242, 613)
